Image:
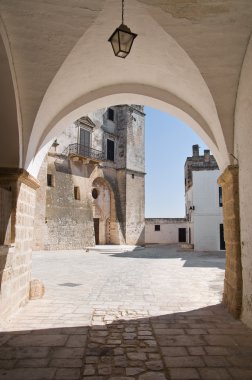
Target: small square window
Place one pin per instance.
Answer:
(77, 193)
(50, 180)
(111, 114)
(157, 227)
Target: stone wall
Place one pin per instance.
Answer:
(116, 181)
(135, 159)
(69, 221)
(102, 210)
(131, 122)
(15, 258)
(135, 222)
(233, 275)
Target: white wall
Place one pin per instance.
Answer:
(207, 215)
(168, 233)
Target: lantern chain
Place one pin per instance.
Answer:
(122, 11)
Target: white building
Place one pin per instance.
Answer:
(203, 199)
(204, 209)
(203, 225)
(166, 230)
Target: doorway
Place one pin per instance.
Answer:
(96, 230)
(182, 235)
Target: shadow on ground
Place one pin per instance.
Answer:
(190, 258)
(206, 343)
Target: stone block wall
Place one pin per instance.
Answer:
(15, 258)
(135, 139)
(69, 221)
(135, 221)
(116, 181)
(232, 296)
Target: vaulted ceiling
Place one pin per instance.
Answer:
(43, 38)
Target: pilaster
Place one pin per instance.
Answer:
(232, 296)
(19, 190)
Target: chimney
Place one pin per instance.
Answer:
(195, 150)
(206, 155)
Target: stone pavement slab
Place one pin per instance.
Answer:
(143, 314)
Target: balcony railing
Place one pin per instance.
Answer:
(85, 151)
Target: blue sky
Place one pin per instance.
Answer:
(168, 141)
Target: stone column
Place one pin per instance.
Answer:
(232, 296)
(19, 189)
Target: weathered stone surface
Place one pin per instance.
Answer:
(137, 356)
(232, 295)
(17, 223)
(65, 220)
(132, 371)
(153, 375)
(37, 289)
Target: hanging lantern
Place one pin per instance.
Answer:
(122, 38)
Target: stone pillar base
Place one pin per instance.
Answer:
(232, 296)
(37, 289)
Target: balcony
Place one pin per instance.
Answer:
(87, 154)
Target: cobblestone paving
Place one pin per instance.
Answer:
(140, 315)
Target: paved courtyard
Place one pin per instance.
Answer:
(113, 314)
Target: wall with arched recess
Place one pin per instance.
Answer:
(113, 228)
(102, 210)
(157, 72)
(10, 118)
(243, 152)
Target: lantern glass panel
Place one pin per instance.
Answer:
(122, 54)
(126, 40)
(115, 42)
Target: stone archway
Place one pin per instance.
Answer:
(172, 78)
(167, 79)
(11, 144)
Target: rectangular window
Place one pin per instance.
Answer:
(157, 227)
(85, 137)
(111, 114)
(110, 150)
(220, 196)
(77, 193)
(50, 180)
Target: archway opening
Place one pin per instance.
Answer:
(115, 193)
(109, 144)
